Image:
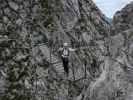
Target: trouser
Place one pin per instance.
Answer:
(65, 64)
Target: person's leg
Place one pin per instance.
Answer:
(66, 66)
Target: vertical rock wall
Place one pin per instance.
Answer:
(17, 20)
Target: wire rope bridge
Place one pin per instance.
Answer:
(56, 63)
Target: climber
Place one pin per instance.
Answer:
(65, 53)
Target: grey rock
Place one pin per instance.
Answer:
(123, 19)
(13, 5)
(26, 47)
(19, 22)
(6, 10)
(5, 19)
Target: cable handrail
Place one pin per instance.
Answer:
(81, 46)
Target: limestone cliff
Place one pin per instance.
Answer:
(117, 83)
(123, 19)
(31, 68)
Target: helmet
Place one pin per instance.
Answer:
(65, 44)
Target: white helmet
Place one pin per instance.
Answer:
(65, 44)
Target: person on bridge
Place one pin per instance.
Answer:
(65, 53)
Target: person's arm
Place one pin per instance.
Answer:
(72, 50)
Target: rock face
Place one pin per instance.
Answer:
(123, 19)
(15, 47)
(33, 30)
(116, 83)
